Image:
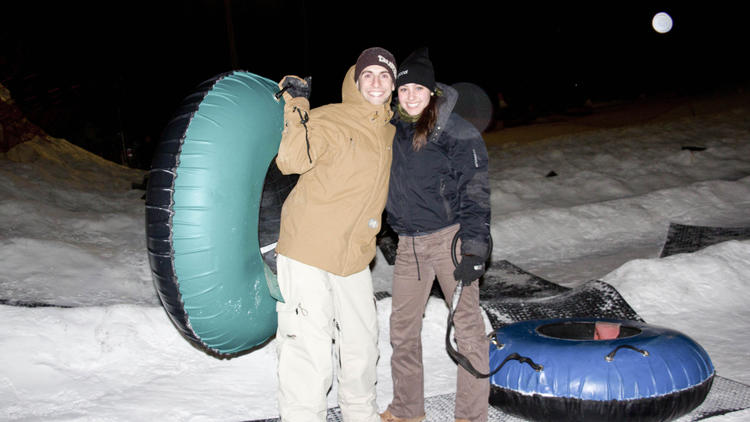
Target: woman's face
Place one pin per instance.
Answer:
(413, 98)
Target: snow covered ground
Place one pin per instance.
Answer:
(72, 234)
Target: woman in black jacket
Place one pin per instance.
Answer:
(438, 189)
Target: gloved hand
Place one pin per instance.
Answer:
(296, 86)
(469, 269)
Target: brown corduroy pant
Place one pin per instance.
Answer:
(419, 260)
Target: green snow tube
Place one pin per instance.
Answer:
(203, 206)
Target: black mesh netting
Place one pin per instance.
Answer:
(543, 299)
(685, 239)
(726, 396)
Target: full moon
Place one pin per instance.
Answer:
(662, 22)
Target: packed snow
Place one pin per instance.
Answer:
(570, 208)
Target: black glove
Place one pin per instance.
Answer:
(469, 269)
(297, 87)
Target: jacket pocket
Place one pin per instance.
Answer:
(447, 203)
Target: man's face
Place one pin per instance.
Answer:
(375, 83)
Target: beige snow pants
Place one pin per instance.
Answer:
(322, 313)
(419, 259)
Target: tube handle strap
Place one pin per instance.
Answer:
(611, 355)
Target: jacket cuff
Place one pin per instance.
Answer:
(474, 247)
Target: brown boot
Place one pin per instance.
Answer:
(462, 420)
(387, 416)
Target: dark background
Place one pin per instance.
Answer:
(108, 75)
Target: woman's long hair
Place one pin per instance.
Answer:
(425, 124)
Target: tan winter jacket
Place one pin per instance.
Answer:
(332, 215)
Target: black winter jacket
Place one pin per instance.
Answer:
(443, 183)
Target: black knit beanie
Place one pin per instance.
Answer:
(417, 68)
(378, 56)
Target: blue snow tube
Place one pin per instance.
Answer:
(203, 212)
(646, 373)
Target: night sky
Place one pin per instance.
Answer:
(90, 72)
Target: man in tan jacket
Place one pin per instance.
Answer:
(329, 221)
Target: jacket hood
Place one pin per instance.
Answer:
(350, 95)
(446, 104)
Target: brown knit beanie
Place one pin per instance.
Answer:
(378, 56)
